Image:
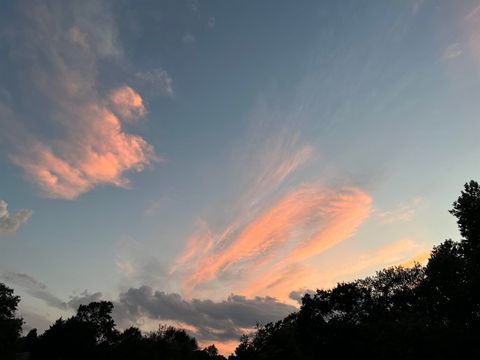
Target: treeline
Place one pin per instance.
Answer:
(91, 335)
(430, 312)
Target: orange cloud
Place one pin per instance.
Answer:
(282, 278)
(421, 259)
(127, 103)
(302, 224)
(85, 143)
(96, 151)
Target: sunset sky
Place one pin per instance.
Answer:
(204, 163)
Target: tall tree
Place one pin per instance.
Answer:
(467, 211)
(10, 326)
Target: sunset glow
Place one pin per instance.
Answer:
(203, 164)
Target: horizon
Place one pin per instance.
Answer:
(202, 164)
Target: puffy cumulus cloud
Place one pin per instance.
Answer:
(96, 151)
(87, 144)
(206, 319)
(297, 295)
(9, 223)
(83, 298)
(222, 322)
(127, 103)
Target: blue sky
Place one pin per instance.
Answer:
(227, 151)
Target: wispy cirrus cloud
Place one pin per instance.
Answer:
(157, 81)
(404, 252)
(9, 223)
(88, 143)
(302, 224)
(40, 291)
(403, 212)
(33, 288)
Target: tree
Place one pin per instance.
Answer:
(10, 326)
(467, 211)
(99, 316)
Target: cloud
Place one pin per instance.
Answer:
(452, 51)
(34, 288)
(87, 144)
(275, 159)
(404, 212)
(156, 81)
(297, 295)
(188, 38)
(221, 321)
(421, 258)
(211, 321)
(395, 253)
(302, 224)
(40, 291)
(127, 103)
(193, 5)
(83, 298)
(9, 223)
(472, 27)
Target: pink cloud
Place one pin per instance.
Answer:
(127, 103)
(96, 150)
(83, 142)
(302, 224)
(279, 280)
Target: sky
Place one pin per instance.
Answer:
(203, 164)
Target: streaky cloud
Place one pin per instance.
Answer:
(302, 224)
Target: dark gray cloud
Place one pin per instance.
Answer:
(83, 298)
(9, 223)
(213, 320)
(297, 295)
(222, 320)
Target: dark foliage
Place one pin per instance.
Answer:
(430, 312)
(10, 326)
(91, 334)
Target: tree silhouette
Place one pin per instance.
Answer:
(10, 326)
